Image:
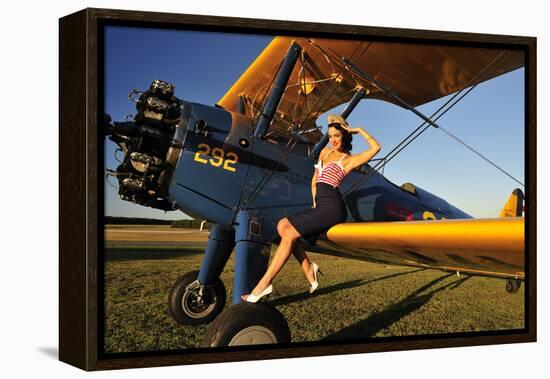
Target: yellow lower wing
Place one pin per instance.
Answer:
(486, 246)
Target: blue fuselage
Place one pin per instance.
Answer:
(223, 169)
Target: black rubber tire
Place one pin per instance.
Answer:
(260, 319)
(191, 313)
(513, 285)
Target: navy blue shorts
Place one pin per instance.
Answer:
(330, 210)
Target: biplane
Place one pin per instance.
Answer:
(247, 161)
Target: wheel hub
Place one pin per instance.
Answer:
(197, 306)
(253, 335)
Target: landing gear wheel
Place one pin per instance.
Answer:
(512, 285)
(188, 306)
(248, 324)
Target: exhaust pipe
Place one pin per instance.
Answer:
(174, 151)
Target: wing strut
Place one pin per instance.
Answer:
(278, 89)
(292, 140)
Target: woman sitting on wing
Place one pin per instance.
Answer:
(328, 206)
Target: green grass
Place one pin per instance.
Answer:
(356, 299)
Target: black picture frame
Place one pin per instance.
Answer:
(81, 187)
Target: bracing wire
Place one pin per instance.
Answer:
(397, 149)
(481, 155)
(325, 99)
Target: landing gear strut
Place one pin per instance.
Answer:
(245, 323)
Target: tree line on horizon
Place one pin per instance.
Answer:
(183, 223)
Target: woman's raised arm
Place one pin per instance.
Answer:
(314, 188)
(360, 159)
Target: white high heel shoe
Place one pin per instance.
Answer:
(254, 299)
(315, 283)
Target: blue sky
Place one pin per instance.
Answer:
(204, 65)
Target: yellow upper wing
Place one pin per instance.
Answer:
(486, 246)
(416, 73)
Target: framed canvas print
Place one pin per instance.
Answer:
(239, 189)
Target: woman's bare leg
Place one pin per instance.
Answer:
(288, 236)
(300, 254)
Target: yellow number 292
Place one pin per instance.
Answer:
(217, 159)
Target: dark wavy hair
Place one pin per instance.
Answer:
(346, 137)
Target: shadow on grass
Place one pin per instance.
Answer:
(383, 320)
(135, 254)
(337, 287)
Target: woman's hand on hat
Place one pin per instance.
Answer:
(351, 130)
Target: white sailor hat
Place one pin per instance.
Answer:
(335, 119)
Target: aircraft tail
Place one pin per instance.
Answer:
(514, 205)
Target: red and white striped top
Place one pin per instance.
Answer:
(333, 173)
